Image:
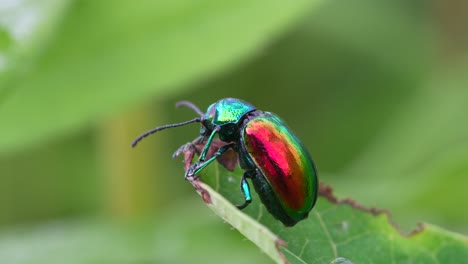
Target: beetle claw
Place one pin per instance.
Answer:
(191, 178)
(242, 206)
(190, 172)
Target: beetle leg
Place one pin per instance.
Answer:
(200, 165)
(208, 144)
(188, 147)
(185, 148)
(188, 150)
(245, 191)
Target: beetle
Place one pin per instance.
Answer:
(271, 155)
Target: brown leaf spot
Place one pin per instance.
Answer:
(203, 193)
(281, 243)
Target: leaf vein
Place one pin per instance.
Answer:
(294, 255)
(327, 233)
(303, 247)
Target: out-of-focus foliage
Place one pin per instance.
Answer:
(377, 91)
(167, 240)
(109, 55)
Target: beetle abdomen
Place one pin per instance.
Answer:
(285, 165)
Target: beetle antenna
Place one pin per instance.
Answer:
(191, 106)
(154, 130)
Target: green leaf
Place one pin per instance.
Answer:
(168, 239)
(109, 55)
(25, 28)
(260, 235)
(336, 231)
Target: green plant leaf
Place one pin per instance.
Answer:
(108, 55)
(169, 238)
(25, 28)
(260, 235)
(336, 231)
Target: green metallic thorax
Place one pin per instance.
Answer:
(227, 111)
(227, 114)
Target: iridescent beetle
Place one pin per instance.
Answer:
(279, 166)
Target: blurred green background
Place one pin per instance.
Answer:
(377, 91)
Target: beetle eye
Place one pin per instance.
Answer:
(203, 130)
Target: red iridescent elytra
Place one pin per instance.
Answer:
(285, 165)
